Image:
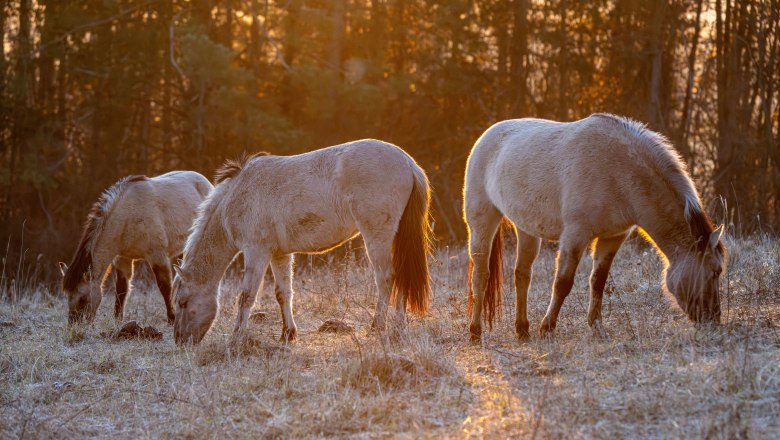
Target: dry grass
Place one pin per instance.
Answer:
(652, 375)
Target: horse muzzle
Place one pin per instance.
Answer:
(80, 312)
(186, 336)
(705, 313)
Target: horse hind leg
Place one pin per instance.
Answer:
(376, 223)
(603, 253)
(483, 223)
(379, 253)
(570, 251)
(527, 251)
(282, 269)
(123, 269)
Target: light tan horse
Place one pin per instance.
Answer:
(584, 182)
(136, 218)
(269, 207)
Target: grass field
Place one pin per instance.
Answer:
(652, 375)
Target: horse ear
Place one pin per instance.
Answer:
(715, 236)
(63, 268)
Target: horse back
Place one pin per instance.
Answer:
(157, 212)
(314, 201)
(545, 175)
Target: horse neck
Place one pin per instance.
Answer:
(102, 256)
(206, 261)
(668, 229)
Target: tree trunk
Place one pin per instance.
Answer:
(502, 81)
(563, 63)
(656, 56)
(685, 119)
(166, 16)
(290, 52)
(334, 63)
(400, 35)
(517, 55)
(4, 110)
(377, 34)
(22, 102)
(227, 33)
(724, 134)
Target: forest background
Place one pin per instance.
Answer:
(93, 90)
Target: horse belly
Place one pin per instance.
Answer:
(530, 201)
(537, 217)
(313, 233)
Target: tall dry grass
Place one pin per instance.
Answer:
(652, 374)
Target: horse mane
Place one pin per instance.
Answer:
(96, 220)
(669, 166)
(232, 167)
(208, 206)
(205, 212)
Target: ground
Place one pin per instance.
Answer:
(652, 375)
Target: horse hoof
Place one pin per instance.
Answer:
(597, 330)
(522, 332)
(475, 331)
(289, 335)
(545, 330)
(171, 320)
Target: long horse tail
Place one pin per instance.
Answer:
(491, 305)
(412, 246)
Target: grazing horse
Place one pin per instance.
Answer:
(269, 207)
(136, 218)
(581, 183)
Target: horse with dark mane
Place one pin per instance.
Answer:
(136, 218)
(269, 207)
(584, 183)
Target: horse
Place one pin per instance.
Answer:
(137, 218)
(269, 207)
(585, 183)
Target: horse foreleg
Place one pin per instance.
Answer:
(162, 274)
(603, 254)
(123, 268)
(255, 265)
(527, 251)
(571, 248)
(282, 269)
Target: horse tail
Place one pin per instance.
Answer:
(411, 247)
(492, 302)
